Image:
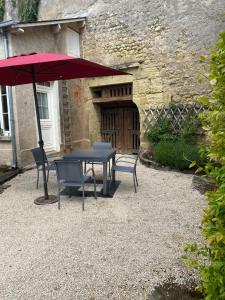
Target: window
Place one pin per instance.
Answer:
(46, 83)
(4, 111)
(72, 43)
(43, 105)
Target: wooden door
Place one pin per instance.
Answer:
(121, 127)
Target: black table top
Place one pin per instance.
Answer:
(93, 155)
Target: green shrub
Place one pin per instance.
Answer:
(175, 154)
(162, 130)
(209, 258)
(189, 130)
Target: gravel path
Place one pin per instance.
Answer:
(118, 248)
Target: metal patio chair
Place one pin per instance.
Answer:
(100, 146)
(129, 164)
(49, 166)
(70, 174)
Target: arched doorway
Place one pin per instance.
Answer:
(119, 116)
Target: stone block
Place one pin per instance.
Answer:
(141, 86)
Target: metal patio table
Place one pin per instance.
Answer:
(96, 155)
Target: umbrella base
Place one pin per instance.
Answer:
(42, 201)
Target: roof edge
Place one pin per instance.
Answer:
(7, 23)
(49, 22)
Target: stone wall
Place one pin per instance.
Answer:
(167, 37)
(158, 42)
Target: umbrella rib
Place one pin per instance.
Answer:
(16, 77)
(21, 70)
(53, 67)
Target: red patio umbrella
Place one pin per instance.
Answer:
(41, 67)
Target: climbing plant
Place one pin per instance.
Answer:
(28, 10)
(209, 259)
(2, 9)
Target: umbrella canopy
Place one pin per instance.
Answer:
(18, 70)
(41, 67)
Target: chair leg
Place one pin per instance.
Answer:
(136, 178)
(58, 199)
(135, 189)
(37, 179)
(69, 192)
(110, 170)
(83, 196)
(47, 175)
(95, 192)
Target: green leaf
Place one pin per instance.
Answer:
(192, 164)
(203, 100)
(200, 169)
(202, 58)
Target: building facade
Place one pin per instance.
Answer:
(158, 43)
(17, 121)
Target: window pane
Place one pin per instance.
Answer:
(4, 104)
(6, 122)
(45, 112)
(3, 90)
(43, 105)
(46, 83)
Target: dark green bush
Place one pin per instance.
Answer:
(176, 154)
(162, 130)
(189, 130)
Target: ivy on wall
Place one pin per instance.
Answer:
(2, 9)
(27, 10)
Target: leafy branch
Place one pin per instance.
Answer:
(209, 259)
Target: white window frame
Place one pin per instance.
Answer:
(5, 132)
(48, 91)
(53, 107)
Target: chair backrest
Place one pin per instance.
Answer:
(38, 156)
(102, 145)
(130, 159)
(69, 170)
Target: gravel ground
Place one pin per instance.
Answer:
(118, 248)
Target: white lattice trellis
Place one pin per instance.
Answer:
(176, 113)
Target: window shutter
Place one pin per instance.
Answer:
(73, 43)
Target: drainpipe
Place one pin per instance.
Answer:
(10, 102)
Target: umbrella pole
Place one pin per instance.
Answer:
(46, 199)
(41, 142)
